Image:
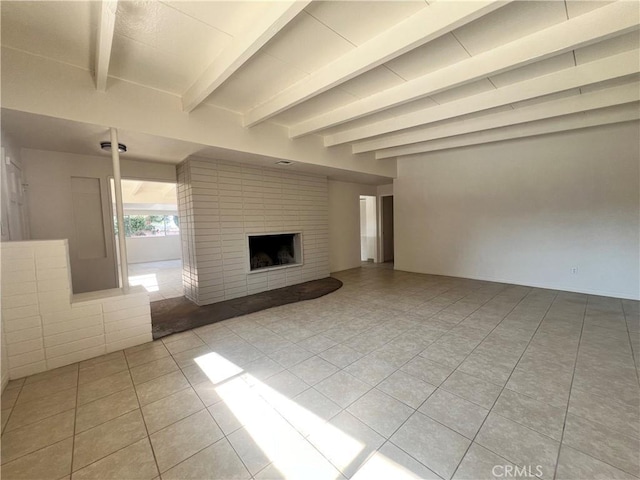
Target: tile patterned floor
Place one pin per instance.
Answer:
(396, 375)
(161, 279)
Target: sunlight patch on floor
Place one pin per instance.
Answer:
(381, 467)
(217, 368)
(269, 417)
(149, 282)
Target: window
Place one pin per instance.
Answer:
(150, 225)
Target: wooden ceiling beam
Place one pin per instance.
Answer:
(606, 22)
(428, 24)
(242, 48)
(104, 43)
(574, 118)
(609, 68)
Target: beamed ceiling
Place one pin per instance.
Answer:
(362, 81)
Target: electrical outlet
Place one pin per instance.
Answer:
(574, 270)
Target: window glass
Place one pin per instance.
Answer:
(150, 225)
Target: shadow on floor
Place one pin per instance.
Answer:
(175, 315)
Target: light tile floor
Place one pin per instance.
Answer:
(161, 279)
(396, 375)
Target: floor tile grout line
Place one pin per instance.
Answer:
(38, 450)
(388, 440)
(13, 406)
(508, 378)
(437, 387)
(573, 375)
(144, 422)
(398, 314)
(108, 455)
(633, 353)
(26, 425)
(117, 450)
(43, 418)
(305, 438)
(47, 378)
(234, 449)
(418, 354)
(467, 356)
(224, 437)
(107, 395)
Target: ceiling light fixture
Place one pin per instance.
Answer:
(284, 162)
(107, 146)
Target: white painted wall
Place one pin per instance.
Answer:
(220, 203)
(48, 175)
(384, 189)
(527, 212)
(153, 249)
(344, 223)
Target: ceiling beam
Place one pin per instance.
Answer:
(605, 22)
(242, 48)
(554, 108)
(623, 113)
(609, 68)
(106, 27)
(428, 24)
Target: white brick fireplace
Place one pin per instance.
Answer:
(224, 204)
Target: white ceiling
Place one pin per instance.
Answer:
(146, 195)
(47, 133)
(349, 71)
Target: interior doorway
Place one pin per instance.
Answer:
(386, 230)
(368, 229)
(152, 231)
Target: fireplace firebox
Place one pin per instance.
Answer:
(274, 250)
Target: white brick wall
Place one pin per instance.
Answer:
(45, 326)
(221, 202)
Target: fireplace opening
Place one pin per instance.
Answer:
(274, 251)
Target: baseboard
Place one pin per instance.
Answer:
(548, 286)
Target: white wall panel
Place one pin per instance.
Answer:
(527, 212)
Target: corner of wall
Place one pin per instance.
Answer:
(4, 361)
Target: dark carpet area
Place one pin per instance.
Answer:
(175, 315)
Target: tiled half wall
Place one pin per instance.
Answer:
(45, 326)
(220, 203)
